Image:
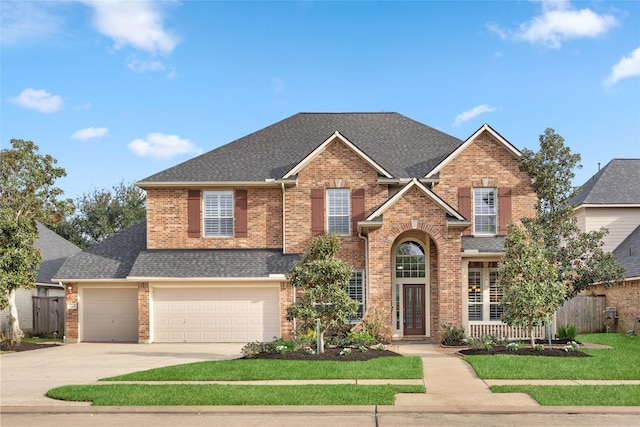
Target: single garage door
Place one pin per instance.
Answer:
(216, 314)
(110, 315)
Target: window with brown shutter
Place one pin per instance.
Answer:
(193, 213)
(464, 206)
(241, 214)
(504, 210)
(357, 208)
(317, 211)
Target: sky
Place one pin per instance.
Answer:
(119, 90)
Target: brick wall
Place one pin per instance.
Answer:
(167, 221)
(487, 158)
(626, 299)
(71, 327)
(144, 336)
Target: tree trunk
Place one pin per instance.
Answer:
(15, 333)
(533, 339)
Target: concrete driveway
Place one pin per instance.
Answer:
(26, 376)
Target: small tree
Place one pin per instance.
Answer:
(27, 193)
(578, 256)
(531, 290)
(323, 279)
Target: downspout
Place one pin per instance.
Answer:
(284, 251)
(366, 268)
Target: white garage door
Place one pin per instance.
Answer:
(110, 315)
(216, 314)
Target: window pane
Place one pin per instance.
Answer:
(410, 260)
(338, 211)
(485, 210)
(495, 297)
(475, 294)
(355, 289)
(218, 213)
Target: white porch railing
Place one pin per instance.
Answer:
(504, 331)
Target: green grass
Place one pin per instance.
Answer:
(220, 395)
(618, 363)
(264, 369)
(583, 395)
(38, 340)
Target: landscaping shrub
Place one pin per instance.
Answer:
(451, 333)
(567, 332)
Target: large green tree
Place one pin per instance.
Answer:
(578, 256)
(102, 213)
(322, 279)
(27, 193)
(530, 283)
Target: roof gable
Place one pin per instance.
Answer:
(54, 250)
(484, 128)
(628, 254)
(615, 184)
(320, 148)
(433, 196)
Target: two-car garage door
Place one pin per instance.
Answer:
(215, 314)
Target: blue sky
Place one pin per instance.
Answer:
(120, 90)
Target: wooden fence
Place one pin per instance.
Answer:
(48, 316)
(584, 311)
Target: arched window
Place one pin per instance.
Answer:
(410, 261)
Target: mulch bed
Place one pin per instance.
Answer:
(556, 351)
(329, 354)
(24, 346)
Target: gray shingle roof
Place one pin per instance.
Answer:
(616, 183)
(483, 244)
(109, 259)
(207, 263)
(54, 250)
(402, 146)
(628, 254)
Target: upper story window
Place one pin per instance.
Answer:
(218, 213)
(485, 211)
(338, 211)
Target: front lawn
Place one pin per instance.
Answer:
(582, 395)
(617, 363)
(224, 395)
(265, 369)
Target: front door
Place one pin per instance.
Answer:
(414, 318)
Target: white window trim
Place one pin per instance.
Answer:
(347, 215)
(476, 215)
(486, 296)
(204, 217)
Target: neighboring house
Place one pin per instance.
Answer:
(611, 199)
(54, 250)
(422, 217)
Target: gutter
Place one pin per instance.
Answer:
(366, 268)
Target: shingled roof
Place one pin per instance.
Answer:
(628, 254)
(54, 250)
(616, 183)
(109, 259)
(402, 146)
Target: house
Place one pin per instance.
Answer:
(422, 216)
(49, 296)
(611, 199)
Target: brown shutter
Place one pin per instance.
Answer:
(193, 213)
(504, 210)
(357, 209)
(317, 211)
(240, 214)
(464, 206)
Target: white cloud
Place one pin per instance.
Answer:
(474, 112)
(628, 66)
(89, 133)
(558, 22)
(25, 20)
(135, 23)
(141, 66)
(161, 146)
(39, 100)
